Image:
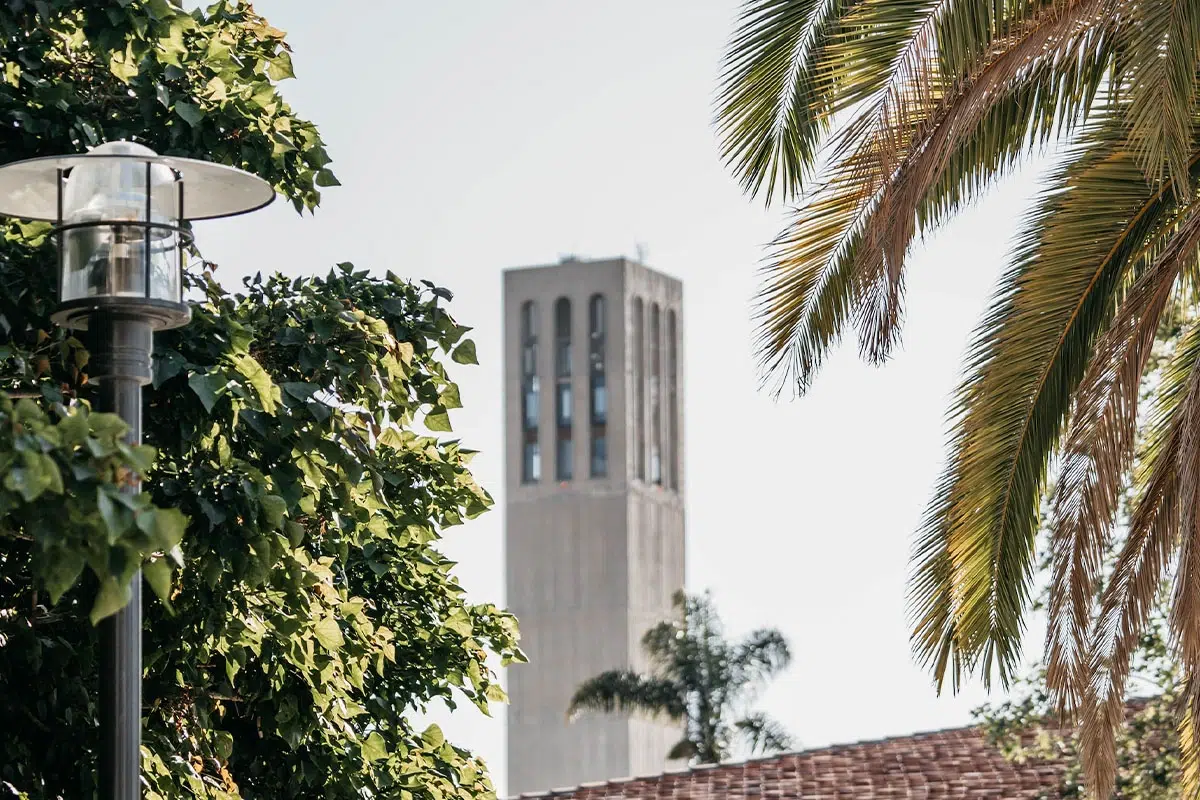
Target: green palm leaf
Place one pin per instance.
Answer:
(761, 656)
(793, 63)
(1185, 609)
(763, 734)
(974, 556)
(770, 118)
(684, 748)
(1164, 47)
(842, 253)
(625, 691)
(661, 645)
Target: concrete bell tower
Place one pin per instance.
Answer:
(594, 523)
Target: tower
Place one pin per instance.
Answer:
(594, 514)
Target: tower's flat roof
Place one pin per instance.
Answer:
(576, 261)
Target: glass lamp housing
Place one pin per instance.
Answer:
(121, 231)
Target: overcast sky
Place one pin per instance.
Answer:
(473, 135)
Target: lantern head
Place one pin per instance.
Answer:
(122, 238)
(120, 215)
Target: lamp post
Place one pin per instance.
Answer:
(120, 214)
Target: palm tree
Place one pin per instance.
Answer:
(883, 118)
(700, 679)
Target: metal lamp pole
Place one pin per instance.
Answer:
(122, 345)
(122, 234)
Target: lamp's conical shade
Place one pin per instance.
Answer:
(29, 190)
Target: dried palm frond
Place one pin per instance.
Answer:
(1098, 451)
(1127, 600)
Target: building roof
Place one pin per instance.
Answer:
(941, 765)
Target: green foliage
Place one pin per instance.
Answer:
(312, 613)
(78, 73)
(699, 679)
(60, 493)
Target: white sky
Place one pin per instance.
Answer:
(475, 135)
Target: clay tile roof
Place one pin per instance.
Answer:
(956, 764)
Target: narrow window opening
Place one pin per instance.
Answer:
(639, 388)
(655, 409)
(531, 454)
(672, 402)
(564, 453)
(597, 388)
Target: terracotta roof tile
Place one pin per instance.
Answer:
(954, 764)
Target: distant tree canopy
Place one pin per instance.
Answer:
(699, 679)
(293, 502)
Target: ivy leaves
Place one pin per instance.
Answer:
(291, 403)
(199, 83)
(61, 492)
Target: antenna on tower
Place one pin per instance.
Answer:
(642, 251)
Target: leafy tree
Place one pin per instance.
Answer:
(698, 678)
(295, 475)
(886, 118)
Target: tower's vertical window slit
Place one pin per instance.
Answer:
(597, 387)
(655, 408)
(564, 453)
(672, 402)
(639, 388)
(531, 454)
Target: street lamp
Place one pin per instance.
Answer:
(120, 214)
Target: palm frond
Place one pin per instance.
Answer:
(974, 556)
(844, 250)
(1051, 100)
(625, 691)
(1127, 600)
(1189, 741)
(763, 734)
(1098, 451)
(769, 115)
(1164, 53)
(909, 171)
(1185, 618)
(1185, 607)
(792, 64)
(684, 748)
(661, 645)
(762, 655)
(663, 642)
